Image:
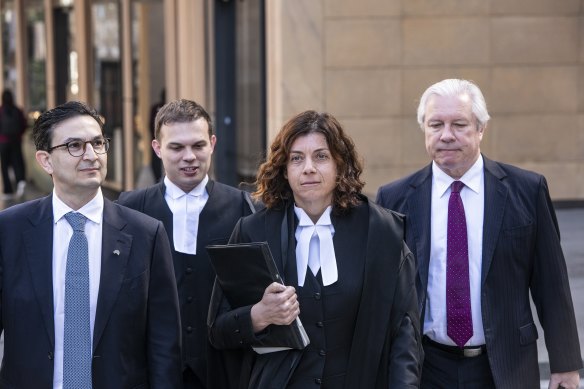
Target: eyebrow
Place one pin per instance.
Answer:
(70, 139)
(315, 151)
(199, 142)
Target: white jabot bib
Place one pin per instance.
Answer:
(322, 254)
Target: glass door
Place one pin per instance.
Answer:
(148, 85)
(9, 72)
(107, 80)
(36, 98)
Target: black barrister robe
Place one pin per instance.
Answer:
(386, 348)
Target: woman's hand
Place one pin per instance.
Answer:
(279, 305)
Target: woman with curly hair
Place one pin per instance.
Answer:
(349, 275)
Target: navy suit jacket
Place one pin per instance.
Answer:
(136, 339)
(521, 253)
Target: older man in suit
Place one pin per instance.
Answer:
(484, 234)
(87, 291)
(196, 212)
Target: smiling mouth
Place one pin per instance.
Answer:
(190, 169)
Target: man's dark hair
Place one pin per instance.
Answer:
(180, 111)
(42, 132)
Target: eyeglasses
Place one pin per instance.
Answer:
(77, 147)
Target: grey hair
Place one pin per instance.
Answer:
(455, 87)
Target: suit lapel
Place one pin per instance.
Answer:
(419, 213)
(39, 252)
(372, 324)
(495, 200)
(208, 214)
(279, 232)
(158, 208)
(115, 252)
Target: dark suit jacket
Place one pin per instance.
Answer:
(385, 350)
(194, 274)
(521, 253)
(136, 339)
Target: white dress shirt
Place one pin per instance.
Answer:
(473, 199)
(185, 208)
(62, 232)
(323, 252)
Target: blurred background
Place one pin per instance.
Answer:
(255, 63)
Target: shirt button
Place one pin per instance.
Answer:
(322, 353)
(317, 381)
(317, 296)
(50, 356)
(189, 270)
(319, 324)
(190, 299)
(189, 329)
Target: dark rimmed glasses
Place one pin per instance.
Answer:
(77, 147)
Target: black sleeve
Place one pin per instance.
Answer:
(405, 360)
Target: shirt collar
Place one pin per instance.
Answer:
(93, 210)
(176, 193)
(304, 220)
(471, 179)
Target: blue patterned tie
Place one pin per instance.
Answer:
(458, 316)
(77, 332)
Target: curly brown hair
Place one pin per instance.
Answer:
(272, 186)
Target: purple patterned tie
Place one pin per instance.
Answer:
(458, 316)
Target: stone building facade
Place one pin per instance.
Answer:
(367, 62)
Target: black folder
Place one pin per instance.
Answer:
(244, 271)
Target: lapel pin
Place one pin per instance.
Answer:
(117, 252)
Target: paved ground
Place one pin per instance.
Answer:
(572, 232)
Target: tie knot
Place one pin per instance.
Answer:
(76, 220)
(320, 229)
(457, 186)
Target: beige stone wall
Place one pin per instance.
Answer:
(368, 61)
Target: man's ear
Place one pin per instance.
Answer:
(213, 143)
(481, 127)
(156, 147)
(44, 160)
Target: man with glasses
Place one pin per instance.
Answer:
(77, 147)
(87, 290)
